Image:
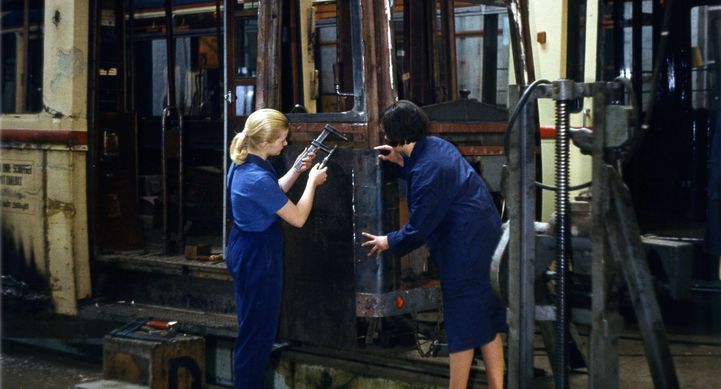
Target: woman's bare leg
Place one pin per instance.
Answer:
(493, 359)
(460, 368)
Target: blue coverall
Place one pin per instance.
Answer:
(255, 261)
(452, 211)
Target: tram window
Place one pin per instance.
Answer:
(197, 75)
(646, 48)
(322, 62)
(424, 69)
(469, 45)
(198, 62)
(706, 57)
(22, 56)
(245, 53)
(246, 47)
(245, 100)
(327, 48)
(616, 59)
(474, 25)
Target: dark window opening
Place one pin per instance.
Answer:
(21, 66)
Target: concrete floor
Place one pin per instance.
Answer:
(30, 368)
(693, 331)
(697, 359)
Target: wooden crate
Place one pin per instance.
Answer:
(160, 362)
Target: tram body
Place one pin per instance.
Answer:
(45, 148)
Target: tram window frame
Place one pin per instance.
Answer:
(245, 83)
(22, 89)
(357, 114)
(615, 59)
(706, 56)
(148, 31)
(469, 24)
(464, 32)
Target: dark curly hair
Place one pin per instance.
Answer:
(404, 122)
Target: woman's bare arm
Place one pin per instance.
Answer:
(297, 214)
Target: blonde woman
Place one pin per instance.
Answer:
(255, 245)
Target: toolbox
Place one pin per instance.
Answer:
(159, 358)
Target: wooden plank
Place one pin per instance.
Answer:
(482, 150)
(479, 127)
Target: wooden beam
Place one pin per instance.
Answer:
(268, 67)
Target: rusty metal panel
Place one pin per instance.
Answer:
(477, 129)
(319, 287)
(376, 211)
(398, 302)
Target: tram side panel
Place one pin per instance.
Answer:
(323, 260)
(43, 161)
(44, 224)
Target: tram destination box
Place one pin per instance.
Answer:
(160, 360)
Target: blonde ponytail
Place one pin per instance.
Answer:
(239, 148)
(263, 125)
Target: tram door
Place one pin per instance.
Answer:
(158, 135)
(115, 213)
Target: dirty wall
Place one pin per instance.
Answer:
(43, 167)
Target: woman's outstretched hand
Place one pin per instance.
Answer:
(378, 244)
(387, 153)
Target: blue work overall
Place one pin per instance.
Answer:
(255, 261)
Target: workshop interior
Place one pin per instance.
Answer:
(596, 125)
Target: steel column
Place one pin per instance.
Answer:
(521, 193)
(605, 322)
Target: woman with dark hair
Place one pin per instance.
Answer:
(255, 245)
(452, 211)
